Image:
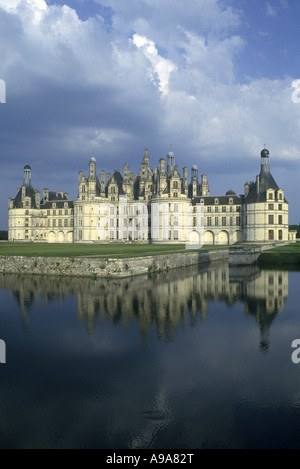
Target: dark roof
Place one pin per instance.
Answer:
(266, 181)
(118, 179)
(223, 200)
(230, 192)
(27, 166)
(29, 192)
(59, 204)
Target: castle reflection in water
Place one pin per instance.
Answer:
(176, 299)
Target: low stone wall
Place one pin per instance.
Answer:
(107, 267)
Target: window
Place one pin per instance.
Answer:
(59, 212)
(80, 221)
(48, 222)
(65, 222)
(223, 209)
(54, 212)
(216, 201)
(113, 190)
(216, 209)
(83, 197)
(83, 188)
(270, 196)
(111, 234)
(175, 185)
(60, 222)
(216, 221)
(111, 223)
(26, 212)
(238, 208)
(208, 221)
(27, 203)
(280, 235)
(271, 219)
(80, 234)
(223, 221)
(176, 234)
(112, 211)
(175, 207)
(279, 206)
(194, 221)
(271, 235)
(230, 221)
(54, 223)
(280, 196)
(238, 221)
(66, 212)
(48, 212)
(231, 201)
(271, 206)
(280, 219)
(209, 209)
(176, 221)
(150, 188)
(175, 194)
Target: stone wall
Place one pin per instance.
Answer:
(107, 267)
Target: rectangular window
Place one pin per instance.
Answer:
(112, 211)
(238, 208)
(175, 207)
(54, 223)
(112, 223)
(279, 206)
(270, 197)
(111, 234)
(54, 212)
(280, 196)
(194, 221)
(80, 221)
(271, 235)
(280, 219)
(223, 221)
(271, 206)
(176, 221)
(48, 212)
(80, 234)
(216, 221)
(231, 221)
(66, 212)
(208, 221)
(209, 209)
(216, 209)
(238, 221)
(280, 235)
(59, 212)
(176, 234)
(271, 219)
(223, 209)
(60, 222)
(65, 222)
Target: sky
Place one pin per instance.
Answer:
(213, 80)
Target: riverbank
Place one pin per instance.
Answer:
(108, 267)
(283, 256)
(100, 266)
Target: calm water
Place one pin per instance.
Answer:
(190, 359)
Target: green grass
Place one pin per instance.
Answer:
(283, 255)
(94, 250)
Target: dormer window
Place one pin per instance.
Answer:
(216, 201)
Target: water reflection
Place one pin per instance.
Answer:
(166, 302)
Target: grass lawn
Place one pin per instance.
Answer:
(283, 255)
(94, 250)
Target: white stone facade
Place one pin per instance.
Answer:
(158, 206)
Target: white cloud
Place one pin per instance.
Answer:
(161, 66)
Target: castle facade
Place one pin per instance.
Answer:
(158, 206)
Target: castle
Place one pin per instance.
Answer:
(158, 206)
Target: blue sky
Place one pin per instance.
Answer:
(211, 78)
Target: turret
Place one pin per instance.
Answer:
(27, 175)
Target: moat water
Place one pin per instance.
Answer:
(196, 358)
